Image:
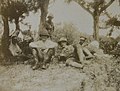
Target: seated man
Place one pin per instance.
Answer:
(93, 49)
(16, 53)
(20, 47)
(24, 45)
(43, 50)
(14, 48)
(67, 54)
(84, 44)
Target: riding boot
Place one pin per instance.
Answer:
(36, 66)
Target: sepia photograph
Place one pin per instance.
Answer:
(59, 45)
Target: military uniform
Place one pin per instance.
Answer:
(68, 55)
(14, 41)
(83, 47)
(50, 25)
(42, 50)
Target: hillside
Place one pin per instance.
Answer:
(96, 75)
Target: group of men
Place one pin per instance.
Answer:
(45, 49)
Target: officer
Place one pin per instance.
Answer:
(68, 54)
(43, 50)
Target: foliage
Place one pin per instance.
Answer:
(95, 8)
(13, 9)
(93, 5)
(35, 5)
(69, 31)
(113, 22)
(108, 44)
(114, 74)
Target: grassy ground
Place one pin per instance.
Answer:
(94, 77)
(56, 78)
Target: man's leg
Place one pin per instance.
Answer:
(80, 53)
(48, 56)
(87, 52)
(37, 57)
(71, 62)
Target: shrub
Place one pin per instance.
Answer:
(67, 30)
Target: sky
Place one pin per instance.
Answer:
(70, 13)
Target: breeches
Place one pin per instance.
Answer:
(43, 56)
(73, 63)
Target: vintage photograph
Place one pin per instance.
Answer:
(59, 45)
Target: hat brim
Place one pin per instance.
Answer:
(44, 35)
(62, 41)
(50, 17)
(82, 38)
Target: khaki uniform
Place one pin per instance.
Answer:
(86, 52)
(50, 27)
(68, 53)
(42, 51)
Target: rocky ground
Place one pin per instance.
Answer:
(98, 74)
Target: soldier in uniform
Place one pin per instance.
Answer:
(67, 54)
(50, 25)
(43, 50)
(14, 47)
(83, 43)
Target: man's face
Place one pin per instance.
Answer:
(50, 18)
(44, 37)
(82, 41)
(14, 40)
(63, 43)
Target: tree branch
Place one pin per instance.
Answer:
(81, 3)
(106, 6)
(107, 14)
(103, 27)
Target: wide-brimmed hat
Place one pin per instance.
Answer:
(82, 38)
(50, 16)
(63, 39)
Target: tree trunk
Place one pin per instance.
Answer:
(96, 25)
(5, 39)
(17, 24)
(44, 12)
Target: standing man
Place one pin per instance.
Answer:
(43, 50)
(50, 25)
